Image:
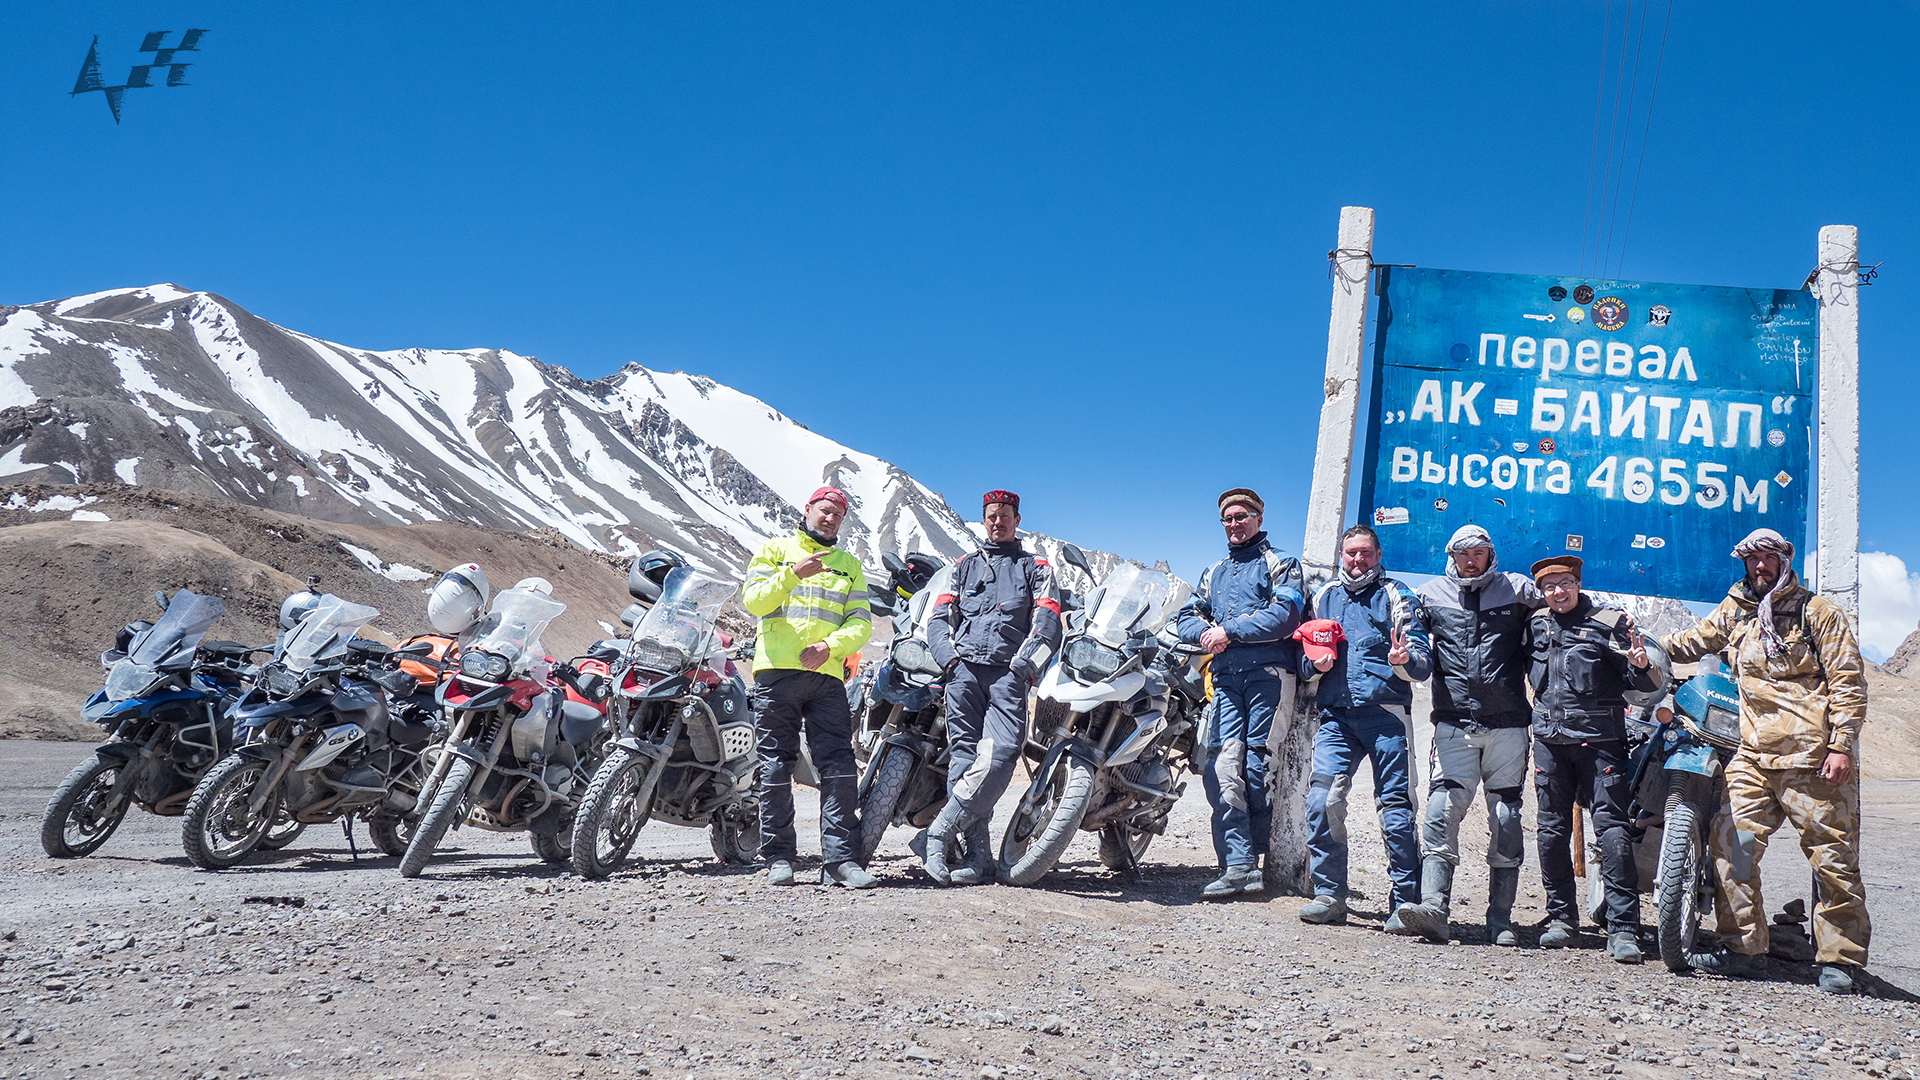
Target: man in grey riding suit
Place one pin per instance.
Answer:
(993, 631)
(1244, 611)
(1477, 617)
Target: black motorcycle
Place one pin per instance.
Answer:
(331, 729)
(905, 715)
(163, 708)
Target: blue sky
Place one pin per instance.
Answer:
(1073, 249)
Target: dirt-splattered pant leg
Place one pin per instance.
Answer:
(1245, 704)
(1827, 816)
(1340, 787)
(1461, 762)
(986, 726)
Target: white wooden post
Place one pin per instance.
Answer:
(1290, 765)
(1838, 289)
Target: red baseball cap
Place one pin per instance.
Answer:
(1320, 638)
(831, 494)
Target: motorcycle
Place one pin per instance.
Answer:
(163, 708)
(685, 751)
(1677, 774)
(330, 730)
(1109, 740)
(523, 736)
(905, 780)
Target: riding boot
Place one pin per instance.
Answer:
(981, 864)
(953, 819)
(1429, 917)
(1500, 896)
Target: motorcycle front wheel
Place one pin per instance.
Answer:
(1122, 847)
(553, 850)
(612, 814)
(1681, 858)
(1036, 839)
(440, 815)
(891, 773)
(285, 831)
(219, 827)
(735, 843)
(79, 816)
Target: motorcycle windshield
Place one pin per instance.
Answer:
(324, 633)
(514, 624)
(188, 618)
(1133, 600)
(921, 605)
(678, 630)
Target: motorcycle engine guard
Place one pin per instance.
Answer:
(1693, 759)
(531, 728)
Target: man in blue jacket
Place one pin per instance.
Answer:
(1244, 611)
(1364, 696)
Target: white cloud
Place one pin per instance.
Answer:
(1889, 603)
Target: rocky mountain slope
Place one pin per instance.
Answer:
(187, 391)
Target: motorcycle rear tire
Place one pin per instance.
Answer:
(611, 811)
(440, 815)
(1115, 840)
(1680, 865)
(76, 803)
(217, 831)
(892, 771)
(392, 834)
(1055, 823)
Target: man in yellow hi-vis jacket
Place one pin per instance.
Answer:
(811, 598)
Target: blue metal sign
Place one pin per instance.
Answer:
(1642, 427)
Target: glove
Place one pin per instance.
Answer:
(1023, 669)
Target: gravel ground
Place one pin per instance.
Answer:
(130, 963)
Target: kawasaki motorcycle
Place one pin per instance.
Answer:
(163, 709)
(683, 750)
(1678, 779)
(1109, 740)
(905, 780)
(523, 736)
(330, 730)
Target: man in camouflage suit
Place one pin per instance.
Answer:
(1803, 701)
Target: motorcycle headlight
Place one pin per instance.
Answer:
(1723, 722)
(657, 657)
(912, 654)
(127, 679)
(1091, 660)
(482, 665)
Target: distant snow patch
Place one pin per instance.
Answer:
(79, 430)
(390, 571)
(607, 629)
(52, 504)
(89, 515)
(124, 469)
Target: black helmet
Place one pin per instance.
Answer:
(918, 571)
(649, 574)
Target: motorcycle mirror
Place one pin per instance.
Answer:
(1073, 556)
(160, 598)
(633, 614)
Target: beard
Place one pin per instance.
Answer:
(1759, 584)
(824, 539)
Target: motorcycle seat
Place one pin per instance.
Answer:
(578, 721)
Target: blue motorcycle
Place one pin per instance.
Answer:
(1678, 775)
(163, 708)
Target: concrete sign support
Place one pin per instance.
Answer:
(1291, 741)
(1837, 285)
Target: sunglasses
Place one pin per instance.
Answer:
(1235, 519)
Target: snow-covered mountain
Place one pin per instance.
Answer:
(186, 391)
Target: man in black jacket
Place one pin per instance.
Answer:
(993, 630)
(1478, 618)
(1584, 659)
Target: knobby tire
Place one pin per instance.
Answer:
(1680, 845)
(439, 817)
(76, 803)
(213, 806)
(882, 803)
(1056, 833)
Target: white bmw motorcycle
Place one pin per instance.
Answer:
(1109, 742)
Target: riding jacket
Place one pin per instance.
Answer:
(830, 606)
(1254, 594)
(1799, 705)
(1480, 649)
(1000, 608)
(1581, 673)
(1361, 674)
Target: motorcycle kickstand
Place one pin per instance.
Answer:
(346, 826)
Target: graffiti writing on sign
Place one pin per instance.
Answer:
(1649, 433)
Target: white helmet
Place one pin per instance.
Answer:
(458, 599)
(537, 584)
(295, 607)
